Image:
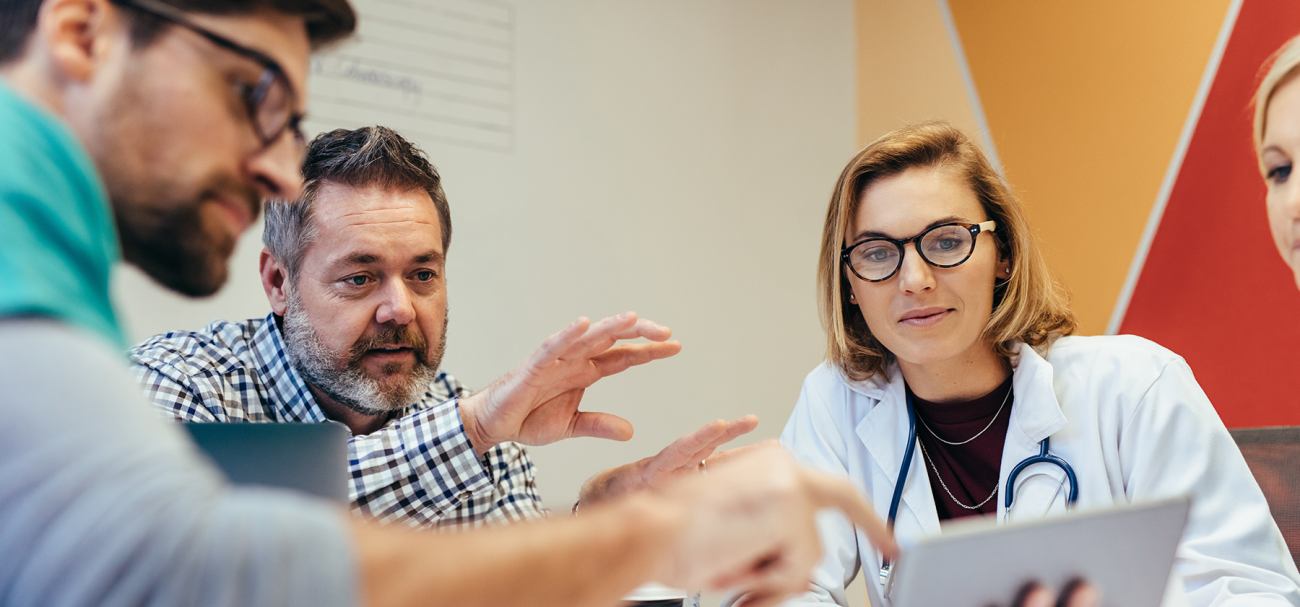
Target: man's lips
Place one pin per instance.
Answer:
(390, 350)
(924, 317)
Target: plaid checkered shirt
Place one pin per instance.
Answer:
(419, 469)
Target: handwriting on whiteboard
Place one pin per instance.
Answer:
(434, 70)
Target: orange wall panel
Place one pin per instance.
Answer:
(1085, 103)
(907, 70)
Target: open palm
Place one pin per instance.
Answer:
(538, 402)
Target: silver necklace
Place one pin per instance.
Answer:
(981, 432)
(945, 485)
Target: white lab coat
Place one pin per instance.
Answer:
(1124, 412)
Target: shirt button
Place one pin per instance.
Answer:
(464, 495)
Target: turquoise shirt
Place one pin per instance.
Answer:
(58, 242)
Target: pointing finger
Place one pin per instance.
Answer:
(829, 492)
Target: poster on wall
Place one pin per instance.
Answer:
(1212, 286)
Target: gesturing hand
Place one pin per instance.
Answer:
(749, 526)
(537, 402)
(683, 456)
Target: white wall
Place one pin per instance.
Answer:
(672, 157)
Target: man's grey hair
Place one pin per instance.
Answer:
(369, 156)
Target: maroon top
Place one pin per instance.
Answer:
(969, 471)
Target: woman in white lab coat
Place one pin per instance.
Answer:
(932, 287)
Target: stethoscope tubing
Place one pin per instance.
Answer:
(907, 463)
(1043, 457)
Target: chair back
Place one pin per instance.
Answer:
(1273, 455)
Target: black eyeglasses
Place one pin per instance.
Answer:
(944, 246)
(270, 102)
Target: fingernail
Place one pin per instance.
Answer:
(1039, 598)
(1087, 595)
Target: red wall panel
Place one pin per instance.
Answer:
(1213, 288)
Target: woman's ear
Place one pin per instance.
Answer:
(1004, 269)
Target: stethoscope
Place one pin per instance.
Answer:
(1043, 457)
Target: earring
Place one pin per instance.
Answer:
(1008, 270)
(852, 298)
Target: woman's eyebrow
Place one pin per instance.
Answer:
(938, 222)
(1273, 149)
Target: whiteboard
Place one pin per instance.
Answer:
(435, 70)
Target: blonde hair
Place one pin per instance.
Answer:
(1283, 65)
(1029, 306)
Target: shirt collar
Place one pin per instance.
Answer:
(287, 392)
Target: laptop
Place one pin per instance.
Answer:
(311, 458)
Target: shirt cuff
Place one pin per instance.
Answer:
(440, 451)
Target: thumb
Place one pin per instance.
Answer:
(600, 425)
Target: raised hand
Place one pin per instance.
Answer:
(683, 456)
(537, 403)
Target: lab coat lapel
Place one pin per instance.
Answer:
(884, 431)
(1036, 415)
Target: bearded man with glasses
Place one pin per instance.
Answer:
(153, 131)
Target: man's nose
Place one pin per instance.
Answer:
(277, 169)
(396, 306)
(915, 275)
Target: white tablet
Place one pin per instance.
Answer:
(1126, 552)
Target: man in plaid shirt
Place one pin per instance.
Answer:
(354, 275)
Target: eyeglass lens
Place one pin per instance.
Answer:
(944, 246)
(271, 105)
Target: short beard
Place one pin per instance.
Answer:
(169, 243)
(345, 381)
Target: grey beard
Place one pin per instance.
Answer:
(346, 382)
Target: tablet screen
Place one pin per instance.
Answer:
(1126, 552)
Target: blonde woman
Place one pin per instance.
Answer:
(1277, 143)
(936, 301)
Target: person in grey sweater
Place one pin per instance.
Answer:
(153, 132)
